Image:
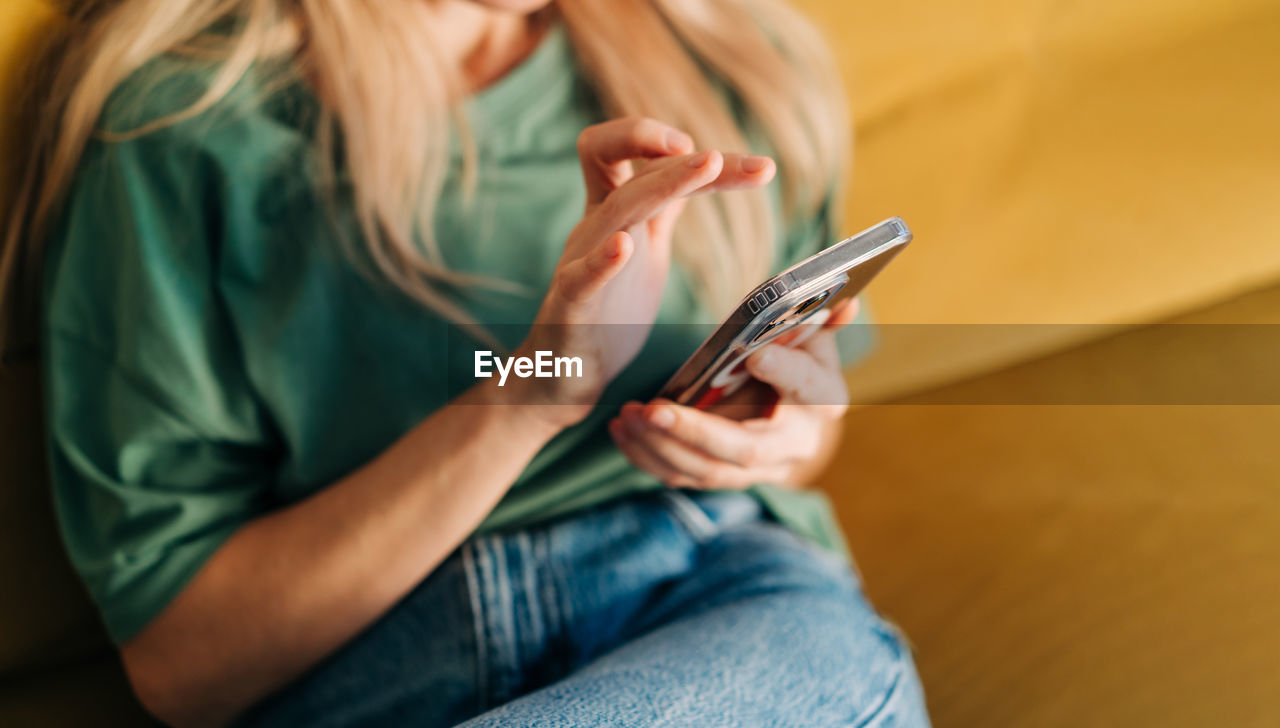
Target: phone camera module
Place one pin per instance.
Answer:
(795, 316)
(810, 304)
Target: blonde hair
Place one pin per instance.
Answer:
(390, 98)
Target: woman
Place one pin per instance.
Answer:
(275, 233)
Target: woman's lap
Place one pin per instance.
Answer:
(662, 610)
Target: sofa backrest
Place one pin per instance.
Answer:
(56, 665)
(1061, 163)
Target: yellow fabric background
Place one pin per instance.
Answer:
(1080, 565)
(1098, 161)
(20, 24)
(55, 666)
(1093, 162)
(1086, 162)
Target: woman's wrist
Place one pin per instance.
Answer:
(521, 411)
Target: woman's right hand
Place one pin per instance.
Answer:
(608, 284)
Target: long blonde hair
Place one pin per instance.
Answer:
(390, 97)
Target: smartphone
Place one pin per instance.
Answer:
(797, 295)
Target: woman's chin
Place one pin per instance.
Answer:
(515, 6)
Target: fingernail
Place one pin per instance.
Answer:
(754, 164)
(615, 250)
(678, 141)
(699, 160)
(662, 417)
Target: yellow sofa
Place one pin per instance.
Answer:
(56, 668)
(1068, 538)
(1069, 506)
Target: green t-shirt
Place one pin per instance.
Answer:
(211, 354)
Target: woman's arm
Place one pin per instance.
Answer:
(291, 587)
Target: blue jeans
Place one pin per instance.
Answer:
(667, 609)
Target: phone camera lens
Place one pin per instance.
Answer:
(792, 317)
(811, 303)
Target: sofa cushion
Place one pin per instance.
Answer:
(1081, 564)
(56, 667)
(53, 649)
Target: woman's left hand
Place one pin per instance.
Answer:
(721, 448)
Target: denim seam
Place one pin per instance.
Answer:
(471, 569)
(694, 519)
(884, 706)
(875, 714)
(562, 602)
(548, 586)
(506, 666)
(537, 625)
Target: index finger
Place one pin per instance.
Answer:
(605, 151)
